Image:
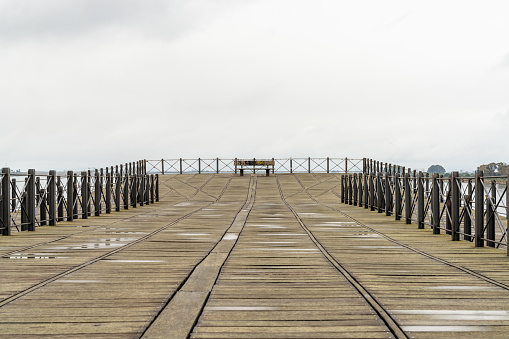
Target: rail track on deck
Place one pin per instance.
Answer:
(34, 287)
(413, 249)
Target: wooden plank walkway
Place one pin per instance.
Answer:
(223, 256)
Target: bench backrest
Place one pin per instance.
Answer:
(245, 163)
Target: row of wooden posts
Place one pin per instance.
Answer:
(462, 208)
(51, 198)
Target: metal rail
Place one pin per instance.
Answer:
(29, 200)
(474, 209)
(283, 165)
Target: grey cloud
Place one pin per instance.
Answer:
(33, 19)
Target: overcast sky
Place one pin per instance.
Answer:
(92, 83)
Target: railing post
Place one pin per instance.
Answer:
(60, 203)
(141, 180)
(479, 208)
(379, 192)
(435, 204)
(408, 200)
(162, 166)
(291, 165)
(180, 165)
(354, 188)
(13, 194)
(388, 196)
(455, 207)
(97, 194)
(372, 191)
(134, 190)
(199, 166)
(5, 206)
(342, 189)
(350, 193)
(157, 187)
(420, 201)
(490, 215)
(52, 195)
(127, 190)
(467, 222)
(366, 191)
(441, 185)
(89, 187)
(70, 196)
(147, 189)
(118, 184)
(217, 165)
(346, 165)
(152, 198)
(40, 201)
(84, 195)
(75, 196)
(507, 212)
(359, 187)
(31, 199)
(327, 165)
(108, 193)
(397, 197)
(309, 164)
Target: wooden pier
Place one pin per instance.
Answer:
(225, 256)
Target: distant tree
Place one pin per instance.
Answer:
(494, 168)
(436, 169)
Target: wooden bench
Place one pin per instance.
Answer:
(254, 164)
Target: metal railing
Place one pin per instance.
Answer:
(283, 165)
(474, 209)
(29, 200)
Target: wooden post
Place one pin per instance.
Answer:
(490, 215)
(108, 193)
(354, 187)
(408, 200)
(467, 222)
(127, 190)
(157, 187)
(342, 189)
(372, 191)
(388, 205)
(141, 178)
(479, 208)
(379, 192)
(359, 186)
(162, 166)
(455, 207)
(420, 201)
(152, 195)
(507, 213)
(84, 195)
(435, 204)
(52, 196)
(97, 194)
(60, 202)
(31, 199)
(5, 206)
(366, 191)
(118, 184)
(397, 197)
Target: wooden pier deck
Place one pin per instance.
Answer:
(224, 256)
